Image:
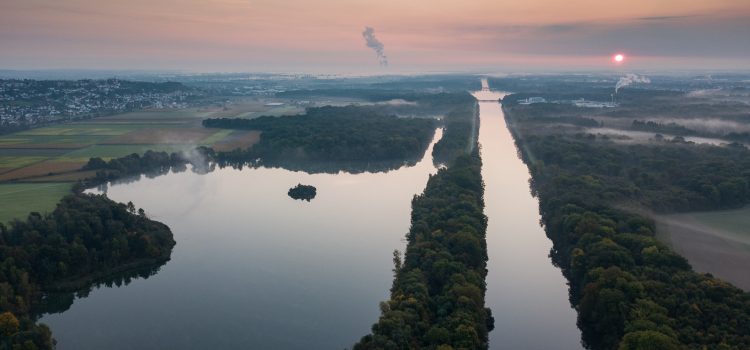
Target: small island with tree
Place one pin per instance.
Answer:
(304, 192)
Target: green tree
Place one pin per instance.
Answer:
(648, 340)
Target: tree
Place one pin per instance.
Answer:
(9, 324)
(648, 340)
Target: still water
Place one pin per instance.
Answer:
(527, 294)
(253, 268)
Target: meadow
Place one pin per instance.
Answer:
(19, 199)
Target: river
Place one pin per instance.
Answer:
(254, 269)
(527, 294)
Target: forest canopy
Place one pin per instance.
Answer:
(630, 290)
(346, 133)
(85, 238)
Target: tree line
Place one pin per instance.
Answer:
(437, 296)
(85, 238)
(334, 134)
(461, 129)
(630, 290)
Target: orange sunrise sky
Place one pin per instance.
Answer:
(326, 35)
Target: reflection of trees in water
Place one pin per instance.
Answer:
(327, 167)
(240, 159)
(197, 168)
(59, 302)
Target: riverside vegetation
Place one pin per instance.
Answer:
(437, 297)
(630, 290)
(331, 134)
(88, 238)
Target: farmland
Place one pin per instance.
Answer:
(713, 241)
(22, 198)
(38, 166)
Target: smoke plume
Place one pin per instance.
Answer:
(630, 79)
(372, 42)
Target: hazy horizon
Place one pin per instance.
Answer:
(326, 36)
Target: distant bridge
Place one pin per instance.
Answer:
(485, 88)
(485, 85)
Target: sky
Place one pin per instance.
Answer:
(418, 35)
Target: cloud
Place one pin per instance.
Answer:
(559, 27)
(662, 18)
(683, 36)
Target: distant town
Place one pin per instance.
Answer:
(25, 103)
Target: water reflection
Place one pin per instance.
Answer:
(526, 292)
(253, 268)
(59, 302)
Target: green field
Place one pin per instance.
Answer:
(116, 151)
(21, 199)
(19, 162)
(43, 141)
(31, 152)
(32, 161)
(156, 115)
(216, 137)
(80, 129)
(733, 222)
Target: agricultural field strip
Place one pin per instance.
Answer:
(21, 199)
(37, 187)
(730, 225)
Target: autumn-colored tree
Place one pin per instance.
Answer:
(9, 324)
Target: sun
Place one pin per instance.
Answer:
(619, 58)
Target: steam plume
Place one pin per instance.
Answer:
(630, 79)
(372, 42)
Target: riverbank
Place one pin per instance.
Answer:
(84, 281)
(527, 293)
(627, 286)
(438, 293)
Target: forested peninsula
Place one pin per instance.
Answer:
(329, 134)
(630, 290)
(437, 297)
(85, 238)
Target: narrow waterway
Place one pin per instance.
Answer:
(527, 294)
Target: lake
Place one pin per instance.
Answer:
(253, 268)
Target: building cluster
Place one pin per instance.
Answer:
(532, 100)
(581, 102)
(593, 104)
(30, 102)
